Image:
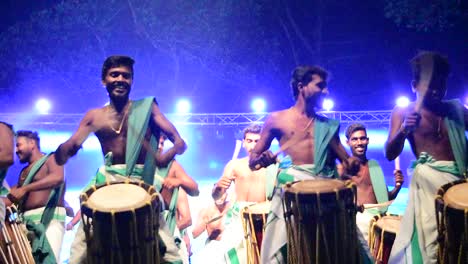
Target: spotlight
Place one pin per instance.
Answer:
(258, 105)
(43, 106)
(402, 101)
(183, 106)
(328, 104)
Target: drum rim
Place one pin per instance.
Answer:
(153, 201)
(442, 191)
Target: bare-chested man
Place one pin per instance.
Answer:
(435, 129)
(212, 219)
(251, 187)
(40, 195)
(167, 180)
(370, 180)
(313, 146)
(7, 137)
(250, 184)
(124, 128)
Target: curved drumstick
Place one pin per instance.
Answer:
(368, 206)
(427, 68)
(216, 218)
(397, 167)
(236, 149)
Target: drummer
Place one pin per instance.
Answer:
(435, 129)
(249, 187)
(40, 197)
(6, 160)
(370, 180)
(124, 128)
(312, 143)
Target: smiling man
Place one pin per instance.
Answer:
(370, 180)
(128, 132)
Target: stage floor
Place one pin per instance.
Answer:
(196, 204)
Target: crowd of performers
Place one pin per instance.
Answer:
(304, 169)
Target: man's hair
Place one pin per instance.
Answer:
(253, 128)
(30, 135)
(441, 68)
(353, 128)
(10, 126)
(303, 74)
(116, 61)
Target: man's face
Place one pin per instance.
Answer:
(118, 82)
(161, 144)
(250, 140)
(358, 142)
(315, 90)
(24, 147)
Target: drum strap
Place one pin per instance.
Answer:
(324, 130)
(378, 183)
(138, 121)
(456, 131)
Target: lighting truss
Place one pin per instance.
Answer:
(71, 121)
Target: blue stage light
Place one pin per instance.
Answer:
(183, 106)
(43, 106)
(402, 101)
(328, 104)
(258, 105)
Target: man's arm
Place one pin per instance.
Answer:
(259, 156)
(161, 122)
(401, 125)
(184, 218)
(52, 179)
(200, 225)
(70, 147)
(225, 181)
(6, 146)
(178, 177)
(399, 180)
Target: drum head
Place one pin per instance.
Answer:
(390, 223)
(259, 208)
(316, 186)
(118, 198)
(457, 196)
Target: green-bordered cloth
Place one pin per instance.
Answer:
(41, 249)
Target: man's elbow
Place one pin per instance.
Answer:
(180, 146)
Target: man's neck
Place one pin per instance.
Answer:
(119, 105)
(35, 156)
(363, 159)
(304, 109)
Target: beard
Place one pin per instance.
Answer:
(23, 158)
(118, 90)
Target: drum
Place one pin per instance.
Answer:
(321, 221)
(382, 232)
(14, 245)
(253, 220)
(121, 221)
(452, 222)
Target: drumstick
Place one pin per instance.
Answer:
(397, 167)
(236, 149)
(368, 206)
(426, 70)
(214, 219)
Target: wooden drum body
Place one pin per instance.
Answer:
(121, 221)
(452, 222)
(254, 219)
(321, 221)
(14, 245)
(382, 233)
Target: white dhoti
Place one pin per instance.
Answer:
(78, 247)
(420, 213)
(363, 223)
(56, 229)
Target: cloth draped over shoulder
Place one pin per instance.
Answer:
(170, 215)
(378, 185)
(41, 249)
(455, 123)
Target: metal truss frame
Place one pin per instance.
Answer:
(56, 121)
